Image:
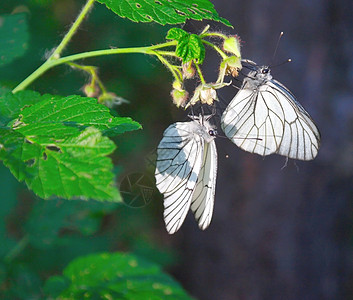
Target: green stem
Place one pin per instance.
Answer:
(17, 249)
(100, 84)
(200, 73)
(93, 72)
(72, 31)
(57, 61)
(176, 73)
(221, 53)
(167, 53)
(213, 34)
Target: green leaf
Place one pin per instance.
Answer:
(113, 276)
(12, 104)
(164, 11)
(189, 47)
(72, 167)
(72, 111)
(13, 36)
(56, 145)
(176, 34)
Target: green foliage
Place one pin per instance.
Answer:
(13, 36)
(190, 46)
(113, 276)
(48, 218)
(164, 11)
(57, 145)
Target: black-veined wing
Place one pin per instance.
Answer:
(183, 172)
(264, 118)
(203, 197)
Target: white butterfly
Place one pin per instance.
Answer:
(264, 118)
(186, 171)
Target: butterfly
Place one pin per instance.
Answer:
(265, 118)
(186, 171)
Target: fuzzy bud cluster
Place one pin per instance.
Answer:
(179, 95)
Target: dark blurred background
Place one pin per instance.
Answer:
(277, 233)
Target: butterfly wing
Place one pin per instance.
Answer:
(269, 120)
(179, 159)
(203, 197)
(301, 137)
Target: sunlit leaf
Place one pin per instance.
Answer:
(189, 47)
(57, 145)
(164, 11)
(176, 34)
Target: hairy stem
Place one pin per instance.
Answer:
(72, 30)
(221, 53)
(213, 34)
(65, 59)
(176, 73)
(200, 74)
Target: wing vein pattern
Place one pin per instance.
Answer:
(186, 171)
(265, 118)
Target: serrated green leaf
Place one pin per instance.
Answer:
(56, 145)
(73, 111)
(176, 34)
(113, 276)
(190, 48)
(164, 11)
(13, 36)
(73, 167)
(12, 104)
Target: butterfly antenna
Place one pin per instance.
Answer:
(275, 52)
(213, 112)
(282, 63)
(202, 114)
(192, 116)
(202, 111)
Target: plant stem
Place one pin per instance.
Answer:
(200, 74)
(92, 72)
(176, 73)
(213, 34)
(221, 53)
(72, 31)
(57, 61)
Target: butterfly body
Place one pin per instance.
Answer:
(257, 77)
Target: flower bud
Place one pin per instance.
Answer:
(179, 97)
(208, 95)
(231, 66)
(188, 70)
(91, 90)
(178, 85)
(232, 45)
